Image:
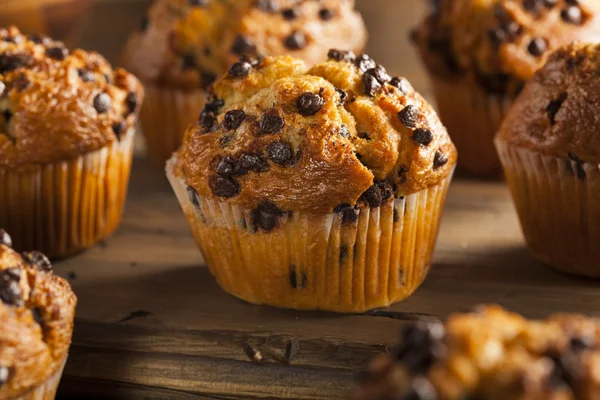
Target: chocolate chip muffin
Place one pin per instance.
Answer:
(36, 323)
(316, 188)
(480, 53)
(183, 45)
(489, 354)
(61, 19)
(550, 149)
(66, 139)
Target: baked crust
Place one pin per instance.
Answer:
(490, 354)
(557, 113)
(49, 105)
(313, 140)
(499, 44)
(36, 321)
(187, 45)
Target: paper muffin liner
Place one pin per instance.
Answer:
(63, 207)
(558, 202)
(318, 261)
(165, 117)
(46, 390)
(472, 117)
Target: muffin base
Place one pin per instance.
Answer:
(472, 117)
(317, 261)
(45, 391)
(64, 207)
(165, 117)
(558, 201)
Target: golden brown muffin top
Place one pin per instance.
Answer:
(314, 139)
(557, 113)
(188, 43)
(57, 105)
(501, 43)
(490, 354)
(36, 319)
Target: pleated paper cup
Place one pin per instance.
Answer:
(318, 261)
(472, 117)
(45, 391)
(64, 207)
(165, 117)
(558, 201)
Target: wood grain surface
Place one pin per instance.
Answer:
(152, 323)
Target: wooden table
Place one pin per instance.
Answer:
(153, 324)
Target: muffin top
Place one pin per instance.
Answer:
(557, 113)
(314, 139)
(188, 43)
(36, 319)
(490, 354)
(501, 43)
(57, 105)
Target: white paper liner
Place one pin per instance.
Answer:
(63, 207)
(472, 117)
(45, 391)
(558, 201)
(165, 116)
(317, 261)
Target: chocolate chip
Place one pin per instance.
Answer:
(225, 187)
(14, 39)
(58, 53)
(119, 128)
(225, 140)
(189, 61)
(294, 279)
(251, 162)
(38, 259)
(86, 75)
(401, 83)
(36, 38)
(343, 95)
(409, 116)
(421, 346)
(11, 62)
(497, 36)
(266, 216)
(198, 3)
(7, 114)
(144, 23)
(309, 104)
(193, 196)
(5, 238)
(341, 55)
(295, 41)
(343, 131)
(10, 291)
(233, 119)
(102, 103)
(348, 213)
(364, 63)
(326, 14)
(439, 160)
(537, 47)
(207, 120)
(268, 6)
(377, 194)
(132, 102)
(225, 167)
(243, 45)
(291, 13)
(271, 123)
(422, 136)
(214, 104)
(240, 69)
(4, 375)
(380, 74)
(280, 153)
(572, 15)
(580, 343)
(372, 86)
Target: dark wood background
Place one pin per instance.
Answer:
(152, 323)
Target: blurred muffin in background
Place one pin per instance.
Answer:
(480, 53)
(60, 19)
(182, 45)
(549, 145)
